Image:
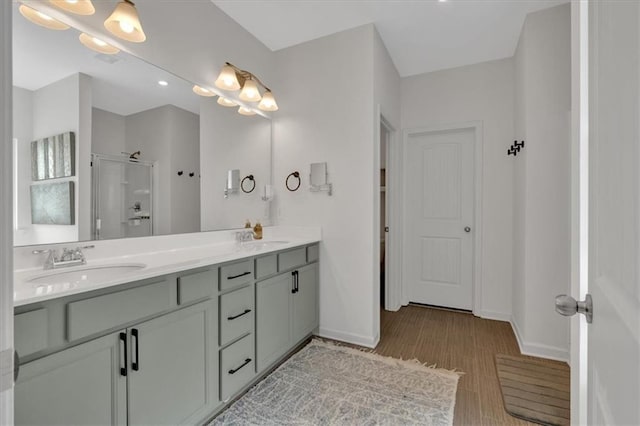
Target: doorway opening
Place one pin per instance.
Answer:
(384, 211)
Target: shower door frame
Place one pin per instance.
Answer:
(95, 188)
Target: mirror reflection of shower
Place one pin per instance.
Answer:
(122, 196)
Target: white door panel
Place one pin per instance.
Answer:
(438, 207)
(614, 235)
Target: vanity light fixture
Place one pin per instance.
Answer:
(250, 91)
(98, 45)
(268, 102)
(79, 7)
(41, 19)
(234, 78)
(124, 22)
(227, 79)
(202, 91)
(246, 111)
(226, 102)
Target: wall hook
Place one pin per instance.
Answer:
(180, 172)
(192, 174)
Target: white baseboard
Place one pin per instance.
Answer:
(355, 339)
(536, 349)
(493, 315)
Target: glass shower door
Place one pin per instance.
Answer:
(122, 198)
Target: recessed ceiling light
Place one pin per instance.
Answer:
(163, 83)
(441, 1)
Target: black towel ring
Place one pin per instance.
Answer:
(295, 175)
(250, 178)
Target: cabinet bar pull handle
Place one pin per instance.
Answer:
(234, 371)
(246, 311)
(238, 276)
(297, 281)
(135, 366)
(123, 342)
(293, 282)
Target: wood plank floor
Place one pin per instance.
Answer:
(455, 340)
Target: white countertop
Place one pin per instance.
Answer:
(186, 255)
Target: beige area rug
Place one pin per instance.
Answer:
(535, 390)
(326, 384)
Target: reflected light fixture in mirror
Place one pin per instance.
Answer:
(246, 111)
(250, 91)
(226, 102)
(98, 45)
(268, 102)
(79, 7)
(125, 23)
(227, 79)
(41, 19)
(202, 91)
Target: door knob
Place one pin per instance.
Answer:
(568, 306)
(467, 229)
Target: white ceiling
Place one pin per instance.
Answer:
(420, 35)
(128, 86)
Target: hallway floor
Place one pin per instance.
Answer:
(455, 340)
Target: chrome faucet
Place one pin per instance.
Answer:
(68, 257)
(243, 236)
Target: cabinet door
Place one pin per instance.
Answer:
(82, 385)
(305, 302)
(273, 310)
(174, 367)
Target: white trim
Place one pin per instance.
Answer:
(355, 339)
(493, 315)
(6, 217)
(537, 350)
(478, 195)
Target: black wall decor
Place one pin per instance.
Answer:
(515, 148)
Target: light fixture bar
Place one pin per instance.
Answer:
(246, 75)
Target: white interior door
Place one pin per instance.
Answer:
(438, 208)
(613, 356)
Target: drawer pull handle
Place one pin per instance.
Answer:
(238, 276)
(123, 341)
(235, 370)
(135, 366)
(246, 311)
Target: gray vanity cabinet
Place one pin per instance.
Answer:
(286, 311)
(173, 368)
(273, 308)
(81, 385)
(305, 302)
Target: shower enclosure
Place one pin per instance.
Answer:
(122, 197)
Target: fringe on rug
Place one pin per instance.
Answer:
(414, 363)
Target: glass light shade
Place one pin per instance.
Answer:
(41, 19)
(98, 45)
(246, 111)
(79, 7)
(268, 102)
(227, 79)
(125, 23)
(250, 92)
(226, 102)
(202, 91)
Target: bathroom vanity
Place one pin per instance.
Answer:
(168, 343)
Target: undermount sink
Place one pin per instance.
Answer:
(259, 245)
(78, 276)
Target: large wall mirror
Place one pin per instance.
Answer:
(150, 157)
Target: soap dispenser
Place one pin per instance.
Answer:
(247, 224)
(257, 231)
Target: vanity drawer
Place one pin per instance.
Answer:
(236, 314)
(236, 274)
(266, 265)
(31, 331)
(89, 316)
(313, 253)
(292, 259)
(237, 366)
(197, 286)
